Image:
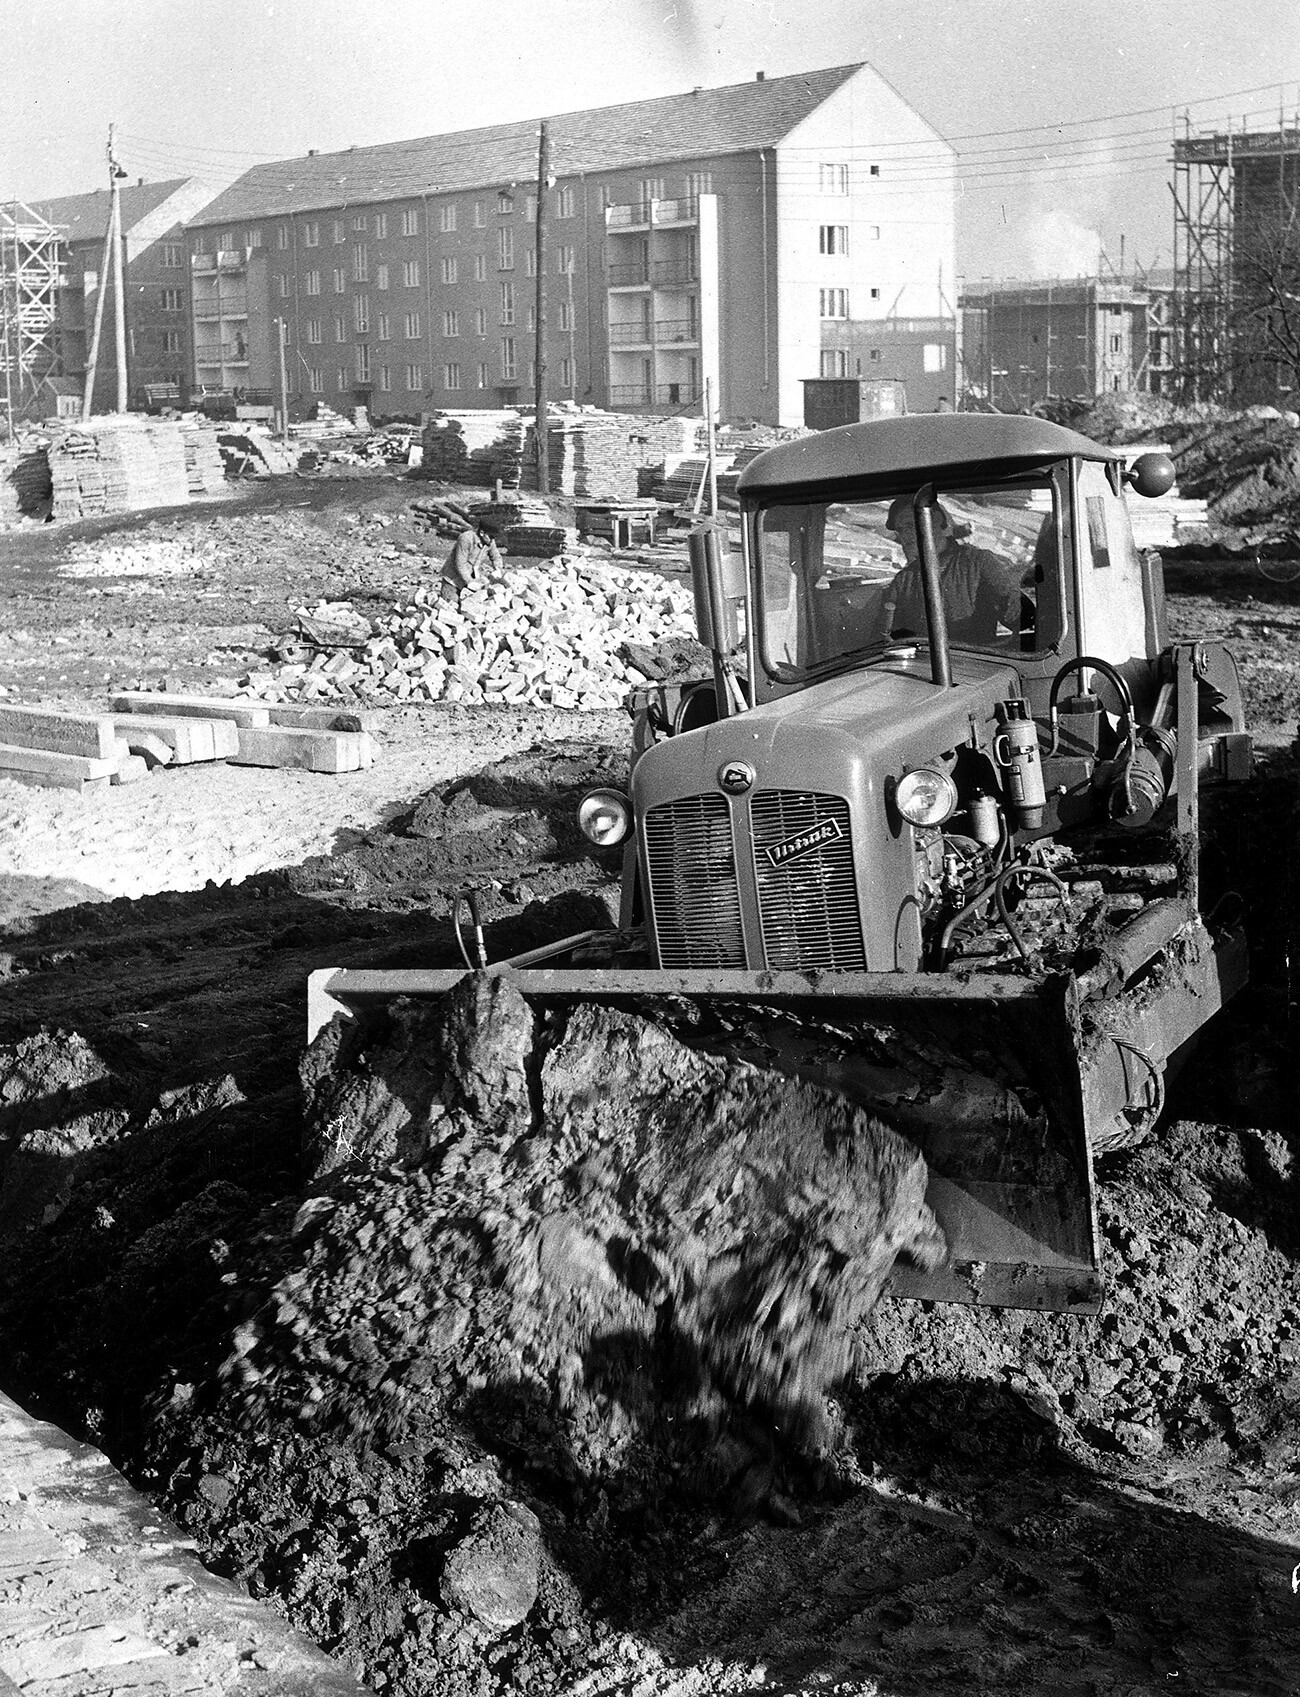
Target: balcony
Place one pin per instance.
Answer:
(655, 395)
(629, 276)
(638, 335)
(627, 217)
(685, 211)
(665, 271)
(676, 332)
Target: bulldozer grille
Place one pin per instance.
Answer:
(694, 890)
(807, 891)
(803, 875)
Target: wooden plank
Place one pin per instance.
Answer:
(324, 718)
(75, 767)
(190, 740)
(87, 734)
(315, 751)
(239, 712)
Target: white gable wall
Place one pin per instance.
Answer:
(912, 202)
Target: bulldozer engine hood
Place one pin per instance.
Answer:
(768, 840)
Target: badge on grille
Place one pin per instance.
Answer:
(735, 777)
(817, 836)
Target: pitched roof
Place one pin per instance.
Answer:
(86, 215)
(606, 138)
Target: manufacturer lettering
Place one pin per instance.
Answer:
(779, 854)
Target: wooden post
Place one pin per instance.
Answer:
(110, 236)
(119, 288)
(284, 382)
(539, 355)
(713, 469)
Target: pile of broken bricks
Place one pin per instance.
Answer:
(144, 729)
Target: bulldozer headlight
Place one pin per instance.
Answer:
(605, 817)
(926, 797)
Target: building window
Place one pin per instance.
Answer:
(415, 377)
(873, 232)
(381, 276)
(363, 362)
(564, 203)
(507, 303)
(451, 376)
(508, 368)
(340, 231)
(340, 327)
(385, 378)
(411, 227)
(835, 362)
(698, 183)
(381, 225)
(564, 261)
(359, 223)
(530, 262)
(875, 294)
(313, 282)
(341, 378)
(451, 324)
(505, 202)
(934, 356)
(173, 256)
(252, 238)
(480, 321)
(284, 287)
(833, 179)
(340, 281)
(412, 323)
(1115, 344)
(566, 316)
(835, 303)
(312, 328)
(482, 374)
(652, 188)
(875, 170)
(282, 236)
(315, 380)
(361, 313)
(480, 268)
(383, 327)
(171, 300)
(875, 356)
(311, 233)
(480, 215)
(448, 269)
(360, 265)
(566, 374)
(411, 273)
(447, 219)
(532, 319)
(171, 341)
(505, 248)
(227, 242)
(530, 208)
(834, 238)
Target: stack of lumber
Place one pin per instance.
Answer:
(205, 473)
(480, 448)
(115, 465)
(525, 525)
(144, 730)
(554, 636)
(600, 455)
(78, 480)
(678, 481)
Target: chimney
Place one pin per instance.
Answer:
(139, 182)
(311, 152)
(760, 76)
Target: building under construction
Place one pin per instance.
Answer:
(1237, 262)
(30, 278)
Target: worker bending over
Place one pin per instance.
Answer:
(474, 555)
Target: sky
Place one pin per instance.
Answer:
(1061, 111)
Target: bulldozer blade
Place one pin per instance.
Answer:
(982, 1074)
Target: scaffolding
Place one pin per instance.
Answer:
(31, 271)
(1226, 185)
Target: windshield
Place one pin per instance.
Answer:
(843, 577)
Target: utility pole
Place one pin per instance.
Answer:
(115, 174)
(539, 356)
(713, 470)
(110, 245)
(284, 382)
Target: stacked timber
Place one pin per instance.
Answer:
(478, 448)
(115, 465)
(600, 455)
(205, 473)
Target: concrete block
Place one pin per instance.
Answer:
(131, 768)
(192, 707)
(324, 719)
(143, 739)
(315, 751)
(87, 734)
(190, 740)
(55, 769)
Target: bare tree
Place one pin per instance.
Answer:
(1264, 308)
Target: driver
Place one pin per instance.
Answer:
(981, 589)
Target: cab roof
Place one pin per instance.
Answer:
(920, 444)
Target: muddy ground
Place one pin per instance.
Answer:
(358, 1414)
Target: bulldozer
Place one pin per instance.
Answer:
(929, 835)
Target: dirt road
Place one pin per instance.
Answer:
(999, 1502)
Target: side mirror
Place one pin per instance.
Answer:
(1151, 475)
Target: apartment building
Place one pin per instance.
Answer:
(728, 234)
(159, 355)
